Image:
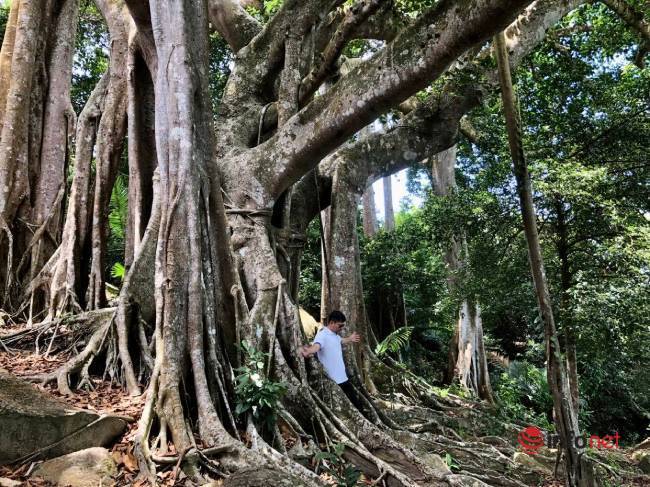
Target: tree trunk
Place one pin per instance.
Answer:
(369, 212)
(467, 360)
(142, 151)
(58, 129)
(36, 122)
(578, 469)
(110, 140)
(389, 214)
(75, 275)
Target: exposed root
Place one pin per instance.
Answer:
(81, 361)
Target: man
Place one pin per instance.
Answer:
(328, 348)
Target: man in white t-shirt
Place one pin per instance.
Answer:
(328, 348)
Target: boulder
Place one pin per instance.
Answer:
(34, 423)
(531, 462)
(436, 462)
(86, 468)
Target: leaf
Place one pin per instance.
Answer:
(118, 271)
(395, 341)
(130, 462)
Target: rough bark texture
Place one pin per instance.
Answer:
(74, 276)
(36, 123)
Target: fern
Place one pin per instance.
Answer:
(119, 206)
(395, 341)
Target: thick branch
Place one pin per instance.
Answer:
(234, 24)
(352, 20)
(430, 126)
(417, 56)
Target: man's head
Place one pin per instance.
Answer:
(336, 321)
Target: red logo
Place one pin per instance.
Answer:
(531, 439)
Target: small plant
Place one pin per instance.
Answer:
(118, 271)
(395, 342)
(345, 475)
(451, 463)
(256, 393)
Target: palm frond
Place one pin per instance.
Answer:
(396, 341)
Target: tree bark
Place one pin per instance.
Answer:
(110, 139)
(369, 212)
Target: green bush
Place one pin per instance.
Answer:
(256, 393)
(523, 395)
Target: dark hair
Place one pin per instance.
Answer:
(336, 316)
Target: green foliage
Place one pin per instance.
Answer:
(256, 393)
(91, 54)
(117, 218)
(451, 463)
(407, 263)
(523, 394)
(4, 15)
(218, 63)
(396, 341)
(586, 133)
(311, 271)
(118, 271)
(345, 475)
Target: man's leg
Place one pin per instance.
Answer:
(349, 391)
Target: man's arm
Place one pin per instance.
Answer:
(309, 350)
(353, 338)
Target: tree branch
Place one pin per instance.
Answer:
(419, 55)
(636, 21)
(430, 126)
(354, 17)
(234, 24)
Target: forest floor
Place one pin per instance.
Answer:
(106, 397)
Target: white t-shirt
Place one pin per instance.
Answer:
(331, 354)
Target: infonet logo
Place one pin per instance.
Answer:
(532, 439)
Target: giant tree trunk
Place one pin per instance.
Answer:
(578, 469)
(467, 360)
(216, 265)
(36, 124)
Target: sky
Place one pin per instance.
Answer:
(399, 192)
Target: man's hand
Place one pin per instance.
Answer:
(354, 338)
(309, 350)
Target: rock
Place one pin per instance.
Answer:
(34, 422)
(5, 482)
(86, 468)
(532, 463)
(436, 462)
(643, 457)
